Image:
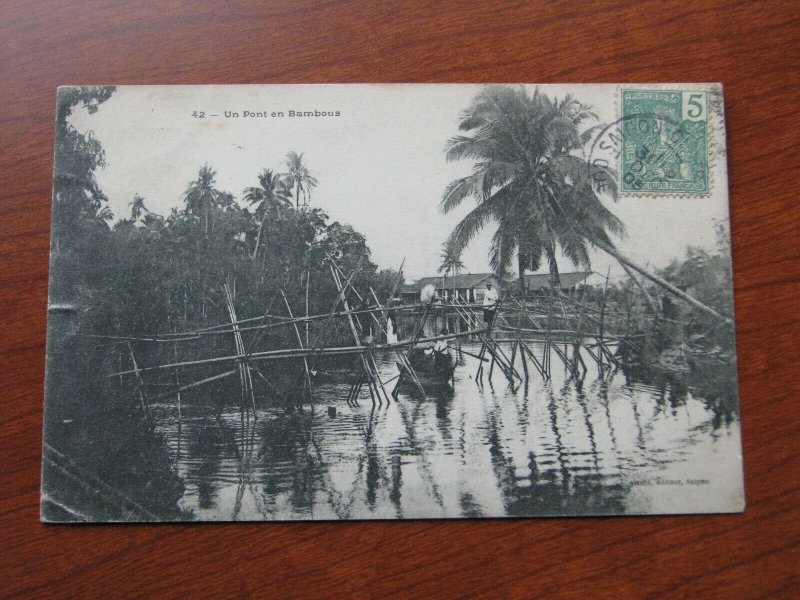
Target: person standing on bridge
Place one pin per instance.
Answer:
(489, 304)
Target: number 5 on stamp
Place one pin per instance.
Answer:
(693, 106)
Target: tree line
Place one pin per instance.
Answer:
(152, 273)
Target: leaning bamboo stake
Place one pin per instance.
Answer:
(607, 334)
(308, 283)
(93, 484)
(405, 364)
(178, 383)
(364, 362)
(662, 282)
(316, 348)
(602, 320)
(300, 343)
(140, 385)
(244, 371)
(368, 361)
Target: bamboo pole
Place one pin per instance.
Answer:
(300, 344)
(178, 383)
(494, 350)
(323, 331)
(244, 371)
(662, 282)
(405, 364)
(293, 353)
(369, 359)
(140, 385)
(369, 366)
(226, 328)
(408, 368)
(308, 284)
(602, 321)
(93, 484)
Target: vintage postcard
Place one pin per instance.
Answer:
(299, 302)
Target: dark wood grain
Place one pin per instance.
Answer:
(753, 48)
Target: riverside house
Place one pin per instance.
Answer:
(468, 288)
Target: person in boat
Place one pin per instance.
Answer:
(489, 304)
(442, 346)
(439, 354)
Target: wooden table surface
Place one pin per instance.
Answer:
(752, 47)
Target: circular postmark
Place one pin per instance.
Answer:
(649, 153)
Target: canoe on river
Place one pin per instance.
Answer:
(432, 366)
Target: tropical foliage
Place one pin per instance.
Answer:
(529, 179)
(269, 197)
(152, 274)
(299, 178)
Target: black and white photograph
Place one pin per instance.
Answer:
(389, 301)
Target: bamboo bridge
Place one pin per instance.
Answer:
(533, 333)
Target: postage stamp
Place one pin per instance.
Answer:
(665, 142)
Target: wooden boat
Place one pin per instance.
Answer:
(435, 367)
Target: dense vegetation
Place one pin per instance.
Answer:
(669, 341)
(150, 274)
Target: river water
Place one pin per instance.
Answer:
(548, 448)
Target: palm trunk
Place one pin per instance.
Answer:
(258, 235)
(521, 269)
(662, 282)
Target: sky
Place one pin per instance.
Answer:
(380, 165)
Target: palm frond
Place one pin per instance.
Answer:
(456, 191)
(471, 225)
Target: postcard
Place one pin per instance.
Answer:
(405, 301)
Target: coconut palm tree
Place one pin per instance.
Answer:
(451, 262)
(529, 179)
(201, 197)
(270, 195)
(299, 178)
(137, 207)
(103, 216)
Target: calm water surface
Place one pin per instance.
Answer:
(548, 449)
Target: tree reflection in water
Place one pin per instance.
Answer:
(547, 448)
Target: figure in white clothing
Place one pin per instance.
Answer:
(391, 336)
(489, 304)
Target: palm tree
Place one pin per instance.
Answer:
(201, 197)
(103, 216)
(270, 195)
(137, 207)
(530, 179)
(451, 262)
(299, 178)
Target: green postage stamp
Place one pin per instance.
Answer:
(665, 142)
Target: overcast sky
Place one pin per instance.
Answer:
(381, 165)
